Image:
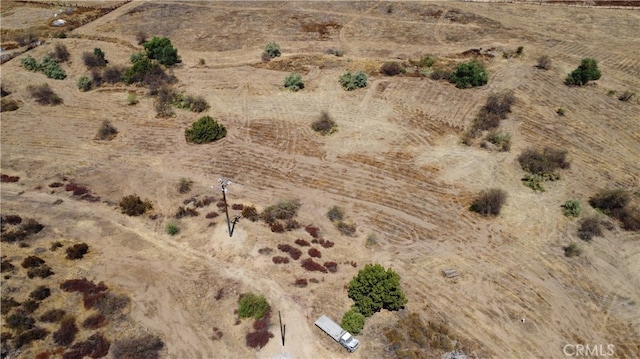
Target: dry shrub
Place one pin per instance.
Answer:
(335, 213)
(284, 210)
(96, 346)
(53, 316)
(110, 304)
(19, 321)
(544, 62)
(314, 280)
(325, 243)
(77, 189)
(164, 101)
(94, 321)
(250, 213)
(543, 163)
(262, 324)
(211, 215)
(186, 212)
(141, 37)
(346, 229)
(112, 74)
(590, 227)
(107, 131)
(496, 109)
(312, 266)
(60, 53)
(630, 218)
(132, 205)
(302, 243)
(9, 179)
(67, 332)
(392, 68)
(7, 266)
(331, 266)
(32, 262)
(572, 250)
(237, 206)
(56, 184)
(77, 251)
(295, 253)
(291, 224)
(258, 339)
(221, 204)
(30, 305)
(40, 293)
(301, 282)
(276, 227)
(313, 231)
(265, 251)
(7, 105)
(489, 202)
(89, 290)
(44, 95)
(324, 125)
(43, 355)
(144, 347)
(29, 336)
(314, 253)
(43, 271)
(610, 200)
(280, 260)
(7, 304)
(11, 219)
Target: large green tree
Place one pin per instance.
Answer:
(469, 74)
(587, 71)
(375, 288)
(206, 129)
(161, 49)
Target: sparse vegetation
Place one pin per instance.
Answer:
(294, 82)
(615, 203)
(335, 213)
(205, 130)
(324, 125)
(60, 53)
(172, 229)
(587, 71)
(250, 213)
(544, 62)
(184, 185)
(271, 50)
(346, 228)
(147, 346)
(352, 81)
(132, 205)
(501, 139)
(375, 288)
(427, 61)
(626, 96)
(392, 68)
(94, 59)
(545, 163)
(253, 306)
(161, 49)
(410, 337)
(496, 109)
(469, 74)
(44, 95)
(572, 250)
(590, 227)
(107, 131)
(489, 202)
(190, 103)
(572, 208)
(352, 321)
(7, 104)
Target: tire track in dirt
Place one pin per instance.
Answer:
(438, 28)
(343, 30)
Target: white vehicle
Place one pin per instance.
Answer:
(337, 333)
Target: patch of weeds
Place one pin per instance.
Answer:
(253, 306)
(572, 208)
(172, 229)
(534, 182)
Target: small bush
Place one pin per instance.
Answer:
(312, 266)
(112, 75)
(469, 74)
(352, 321)
(60, 53)
(53, 316)
(392, 68)
(314, 253)
(352, 81)
(610, 200)
(325, 243)
(164, 100)
(190, 103)
(314, 232)
(77, 251)
(43, 271)
(107, 303)
(96, 346)
(501, 139)
(44, 95)
(7, 105)
(66, 334)
(253, 306)
(294, 82)
(205, 130)
(272, 50)
(258, 339)
(132, 205)
(440, 74)
(276, 227)
(335, 213)
(295, 253)
(211, 215)
(489, 202)
(7, 266)
(375, 288)
(324, 125)
(91, 60)
(30, 63)
(29, 336)
(30, 305)
(587, 71)
(19, 321)
(301, 282)
(427, 61)
(7, 303)
(561, 111)
(172, 229)
(84, 83)
(40, 293)
(141, 37)
(32, 262)
(544, 62)
(572, 208)
(265, 251)
(331, 266)
(284, 210)
(52, 70)
(497, 107)
(186, 212)
(572, 250)
(590, 227)
(237, 206)
(146, 346)
(345, 228)
(302, 243)
(543, 163)
(280, 260)
(626, 96)
(185, 184)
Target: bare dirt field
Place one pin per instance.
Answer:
(396, 165)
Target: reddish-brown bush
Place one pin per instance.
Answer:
(91, 293)
(96, 346)
(186, 212)
(204, 202)
(276, 227)
(67, 332)
(280, 260)
(312, 266)
(237, 206)
(94, 321)
(212, 215)
(77, 189)
(331, 266)
(301, 282)
(291, 224)
(314, 253)
(258, 339)
(313, 231)
(43, 355)
(262, 324)
(295, 253)
(221, 204)
(325, 243)
(250, 213)
(302, 243)
(77, 251)
(7, 178)
(53, 316)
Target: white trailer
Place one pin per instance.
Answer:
(337, 333)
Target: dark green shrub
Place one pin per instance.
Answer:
(587, 71)
(544, 62)
(161, 49)
(375, 288)
(77, 251)
(489, 202)
(610, 200)
(572, 208)
(30, 63)
(351, 81)
(469, 74)
(132, 205)
(172, 229)
(544, 163)
(335, 213)
(392, 68)
(107, 131)
(253, 306)
(572, 250)
(205, 130)
(44, 95)
(40, 293)
(141, 66)
(324, 125)
(590, 227)
(60, 53)
(352, 321)
(144, 347)
(294, 82)
(84, 83)
(272, 50)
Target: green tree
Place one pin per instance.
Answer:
(206, 129)
(141, 66)
(294, 82)
(161, 49)
(587, 71)
(375, 288)
(352, 321)
(469, 74)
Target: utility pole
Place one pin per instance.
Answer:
(231, 225)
